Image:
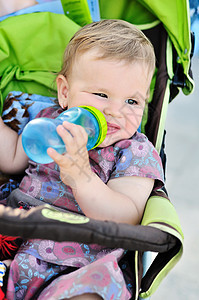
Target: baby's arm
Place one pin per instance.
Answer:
(12, 156)
(121, 200)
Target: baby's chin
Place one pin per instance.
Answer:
(111, 140)
(106, 143)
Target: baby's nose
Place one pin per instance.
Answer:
(113, 109)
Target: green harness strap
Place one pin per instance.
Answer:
(160, 213)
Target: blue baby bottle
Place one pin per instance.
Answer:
(40, 134)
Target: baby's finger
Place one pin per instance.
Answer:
(79, 136)
(65, 134)
(75, 129)
(57, 157)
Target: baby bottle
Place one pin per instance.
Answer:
(40, 134)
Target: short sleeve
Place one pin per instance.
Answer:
(138, 157)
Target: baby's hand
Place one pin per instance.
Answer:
(74, 164)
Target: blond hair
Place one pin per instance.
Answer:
(114, 39)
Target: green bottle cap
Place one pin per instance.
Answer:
(101, 121)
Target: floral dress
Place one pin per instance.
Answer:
(44, 269)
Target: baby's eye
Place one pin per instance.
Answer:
(101, 95)
(131, 101)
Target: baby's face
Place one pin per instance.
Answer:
(117, 89)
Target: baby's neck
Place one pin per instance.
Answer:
(8, 7)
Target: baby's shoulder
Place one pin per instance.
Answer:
(50, 112)
(138, 139)
(138, 147)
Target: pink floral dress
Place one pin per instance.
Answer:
(44, 269)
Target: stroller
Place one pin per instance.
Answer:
(27, 67)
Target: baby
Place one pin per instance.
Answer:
(108, 65)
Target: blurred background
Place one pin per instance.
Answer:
(182, 149)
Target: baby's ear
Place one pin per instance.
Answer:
(62, 91)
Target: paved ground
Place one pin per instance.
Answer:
(182, 148)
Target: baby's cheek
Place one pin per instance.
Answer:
(135, 119)
(132, 126)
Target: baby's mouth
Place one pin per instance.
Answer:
(112, 128)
